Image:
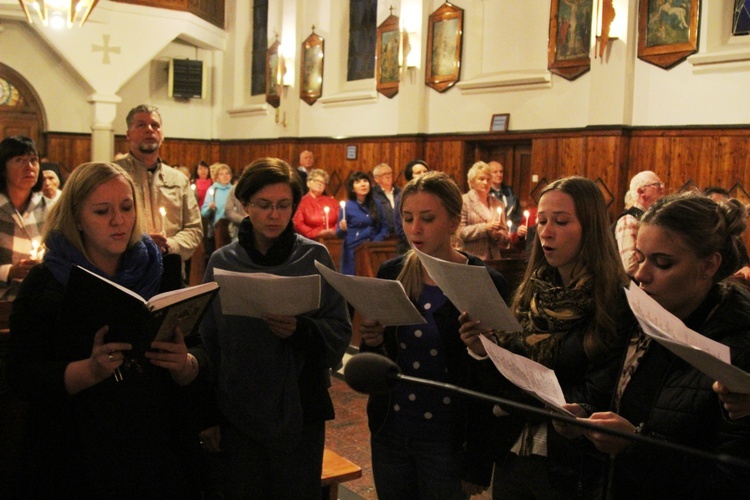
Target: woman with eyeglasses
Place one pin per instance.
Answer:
(360, 220)
(22, 210)
(316, 215)
(272, 373)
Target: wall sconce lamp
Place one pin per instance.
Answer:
(608, 30)
(59, 13)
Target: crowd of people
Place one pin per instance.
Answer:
(239, 410)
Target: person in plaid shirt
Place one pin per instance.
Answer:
(22, 210)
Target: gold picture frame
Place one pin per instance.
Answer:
(388, 56)
(667, 31)
(569, 38)
(273, 96)
(311, 69)
(444, 40)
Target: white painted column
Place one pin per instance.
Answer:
(104, 111)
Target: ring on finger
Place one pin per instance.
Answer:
(111, 358)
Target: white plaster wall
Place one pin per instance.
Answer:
(184, 118)
(62, 92)
(503, 38)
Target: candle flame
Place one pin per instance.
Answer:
(162, 211)
(326, 209)
(342, 204)
(526, 213)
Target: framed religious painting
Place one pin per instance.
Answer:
(444, 36)
(569, 38)
(311, 69)
(667, 31)
(388, 50)
(272, 75)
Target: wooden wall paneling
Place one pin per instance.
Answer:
(448, 156)
(69, 150)
(544, 161)
(602, 160)
(731, 164)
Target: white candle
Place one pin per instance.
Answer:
(212, 194)
(34, 254)
(526, 216)
(163, 213)
(326, 209)
(342, 204)
(510, 225)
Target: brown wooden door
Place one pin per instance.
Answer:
(20, 109)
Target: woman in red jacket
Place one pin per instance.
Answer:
(312, 220)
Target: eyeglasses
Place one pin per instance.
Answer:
(267, 206)
(655, 184)
(387, 174)
(318, 181)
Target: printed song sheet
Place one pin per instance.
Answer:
(471, 289)
(257, 294)
(532, 377)
(708, 356)
(381, 300)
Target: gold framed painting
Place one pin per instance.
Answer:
(388, 50)
(667, 31)
(569, 38)
(444, 40)
(272, 75)
(311, 69)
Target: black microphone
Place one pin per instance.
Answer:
(372, 373)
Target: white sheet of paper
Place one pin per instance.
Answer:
(707, 355)
(257, 294)
(377, 299)
(471, 289)
(526, 374)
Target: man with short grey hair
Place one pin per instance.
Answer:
(645, 189)
(177, 228)
(385, 193)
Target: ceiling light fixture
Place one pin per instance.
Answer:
(59, 13)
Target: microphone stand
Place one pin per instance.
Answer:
(639, 438)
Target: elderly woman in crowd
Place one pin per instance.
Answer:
(482, 230)
(317, 213)
(215, 203)
(52, 180)
(22, 210)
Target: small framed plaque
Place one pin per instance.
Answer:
(499, 122)
(351, 152)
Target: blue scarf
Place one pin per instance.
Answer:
(140, 269)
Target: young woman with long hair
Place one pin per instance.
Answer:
(418, 434)
(575, 321)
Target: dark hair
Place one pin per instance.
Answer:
(194, 174)
(141, 108)
(706, 226)
(410, 166)
(370, 203)
(10, 147)
(716, 190)
(598, 258)
(264, 172)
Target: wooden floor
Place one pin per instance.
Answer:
(349, 436)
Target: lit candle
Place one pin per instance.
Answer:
(212, 194)
(192, 186)
(326, 209)
(34, 254)
(163, 213)
(526, 216)
(342, 204)
(510, 225)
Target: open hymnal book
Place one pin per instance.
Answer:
(471, 289)
(534, 378)
(384, 301)
(258, 294)
(93, 301)
(710, 357)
